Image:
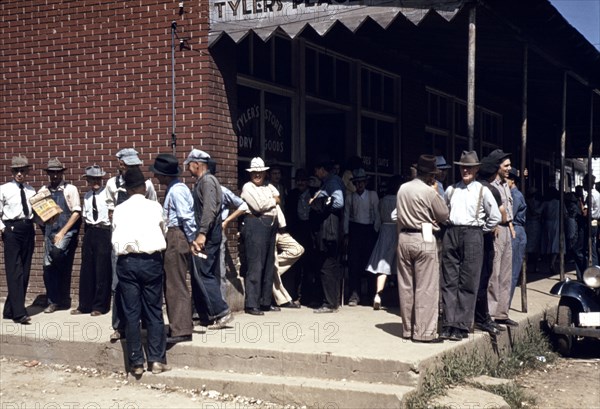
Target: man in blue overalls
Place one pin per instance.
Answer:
(60, 238)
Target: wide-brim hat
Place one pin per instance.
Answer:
(468, 158)
(441, 163)
(129, 157)
(55, 165)
(94, 171)
(19, 162)
(498, 155)
(165, 164)
(359, 175)
(426, 164)
(257, 165)
(487, 168)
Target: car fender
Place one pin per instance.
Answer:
(579, 292)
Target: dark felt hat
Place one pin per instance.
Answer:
(165, 164)
(426, 164)
(134, 178)
(498, 156)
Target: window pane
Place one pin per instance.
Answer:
(389, 92)
(283, 61)
(365, 88)
(325, 76)
(243, 56)
(368, 143)
(376, 91)
(311, 67)
(385, 147)
(247, 124)
(342, 81)
(278, 128)
(262, 59)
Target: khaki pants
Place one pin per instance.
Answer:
(501, 278)
(287, 252)
(418, 286)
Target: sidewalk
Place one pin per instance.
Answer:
(353, 358)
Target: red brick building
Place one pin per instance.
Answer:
(291, 81)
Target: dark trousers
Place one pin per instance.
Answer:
(177, 294)
(57, 274)
(206, 289)
(304, 282)
(361, 238)
(482, 313)
(141, 285)
(96, 271)
(259, 241)
(118, 316)
(331, 274)
(18, 240)
(461, 270)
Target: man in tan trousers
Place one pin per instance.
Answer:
(287, 252)
(421, 210)
(499, 288)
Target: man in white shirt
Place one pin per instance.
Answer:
(96, 264)
(60, 236)
(116, 194)
(138, 240)
(473, 211)
(361, 224)
(595, 213)
(18, 237)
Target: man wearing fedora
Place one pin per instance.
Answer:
(96, 264)
(138, 241)
(501, 278)
(18, 236)
(420, 211)
(60, 237)
(207, 195)
(473, 212)
(361, 224)
(116, 194)
(443, 167)
(519, 241)
(178, 211)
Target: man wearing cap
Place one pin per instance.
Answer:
(420, 211)
(519, 241)
(440, 178)
(138, 241)
(207, 196)
(361, 224)
(116, 194)
(178, 209)
(96, 264)
(330, 234)
(473, 212)
(60, 237)
(500, 281)
(18, 237)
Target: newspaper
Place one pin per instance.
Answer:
(44, 206)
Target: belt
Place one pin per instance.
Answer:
(175, 227)
(464, 226)
(260, 216)
(10, 222)
(410, 230)
(98, 226)
(504, 224)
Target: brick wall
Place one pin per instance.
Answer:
(81, 80)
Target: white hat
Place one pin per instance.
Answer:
(257, 165)
(441, 163)
(129, 156)
(196, 155)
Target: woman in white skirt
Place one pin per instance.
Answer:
(383, 257)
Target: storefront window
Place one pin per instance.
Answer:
(247, 124)
(278, 128)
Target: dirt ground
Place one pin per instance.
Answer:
(566, 383)
(572, 383)
(30, 384)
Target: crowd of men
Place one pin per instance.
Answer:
(463, 244)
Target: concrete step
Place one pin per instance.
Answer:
(285, 390)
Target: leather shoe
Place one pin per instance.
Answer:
(158, 367)
(488, 327)
(455, 335)
(446, 333)
(269, 308)
(24, 320)
(428, 341)
(180, 338)
(51, 308)
(254, 311)
(508, 322)
(76, 312)
(498, 326)
(117, 335)
(222, 322)
(95, 313)
(324, 309)
(290, 304)
(137, 370)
